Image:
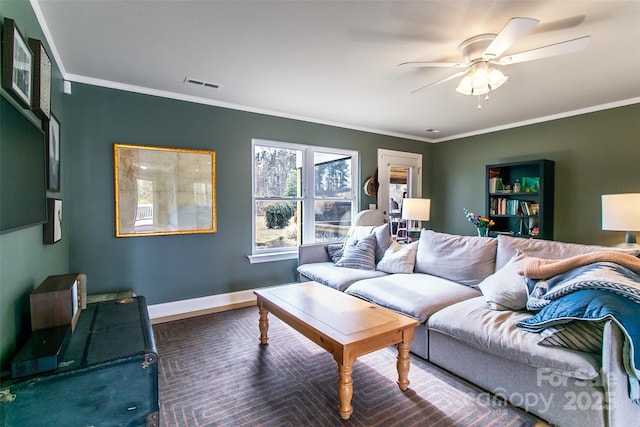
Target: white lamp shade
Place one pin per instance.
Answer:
(621, 212)
(416, 209)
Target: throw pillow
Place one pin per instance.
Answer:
(577, 335)
(383, 240)
(463, 259)
(506, 289)
(335, 251)
(398, 258)
(360, 254)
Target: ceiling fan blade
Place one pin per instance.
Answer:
(432, 64)
(451, 77)
(510, 33)
(569, 46)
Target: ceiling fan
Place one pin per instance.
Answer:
(483, 51)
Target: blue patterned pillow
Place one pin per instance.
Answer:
(335, 251)
(360, 254)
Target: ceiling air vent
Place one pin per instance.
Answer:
(200, 83)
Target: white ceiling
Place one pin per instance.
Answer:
(336, 62)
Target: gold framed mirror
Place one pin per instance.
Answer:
(160, 190)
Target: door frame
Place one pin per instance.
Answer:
(388, 158)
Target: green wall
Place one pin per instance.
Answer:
(170, 268)
(595, 154)
(24, 261)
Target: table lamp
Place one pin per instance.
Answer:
(415, 210)
(621, 212)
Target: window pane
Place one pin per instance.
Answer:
(277, 224)
(332, 173)
(332, 220)
(277, 171)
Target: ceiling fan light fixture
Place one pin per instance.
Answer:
(496, 78)
(464, 87)
(481, 79)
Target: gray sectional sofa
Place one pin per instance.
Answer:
(467, 294)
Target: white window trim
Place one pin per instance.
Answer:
(307, 195)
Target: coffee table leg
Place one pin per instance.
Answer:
(263, 324)
(345, 390)
(403, 365)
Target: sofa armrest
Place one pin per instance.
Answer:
(312, 252)
(616, 381)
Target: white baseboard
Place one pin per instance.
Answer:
(184, 309)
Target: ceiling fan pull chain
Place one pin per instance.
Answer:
(479, 102)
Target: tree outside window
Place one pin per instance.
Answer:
(301, 194)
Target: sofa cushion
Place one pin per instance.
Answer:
(359, 253)
(339, 278)
(415, 295)
(398, 258)
(506, 289)
(495, 332)
(547, 249)
(463, 259)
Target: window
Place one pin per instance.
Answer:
(301, 194)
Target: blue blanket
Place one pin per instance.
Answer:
(596, 292)
(592, 305)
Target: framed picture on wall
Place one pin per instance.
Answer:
(17, 62)
(52, 230)
(51, 129)
(41, 98)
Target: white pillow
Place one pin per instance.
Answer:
(506, 289)
(399, 258)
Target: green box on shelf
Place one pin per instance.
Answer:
(530, 184)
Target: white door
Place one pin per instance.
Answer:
(399, 174)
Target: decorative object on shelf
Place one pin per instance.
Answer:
(517, 187)
(52, 230)
(17, 61)
(161, 190)
(414, 209)
(41, 98)
(495, 185)
(51, 129)
(482, 223)
(530, 184)
(621, 212)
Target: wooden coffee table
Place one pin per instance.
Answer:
(345, 326)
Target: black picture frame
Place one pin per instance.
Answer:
(17, 64)
(52, 230)
(51, 129)
(41, 93)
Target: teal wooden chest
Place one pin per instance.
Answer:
(107, 374)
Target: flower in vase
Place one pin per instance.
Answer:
(482, 223)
